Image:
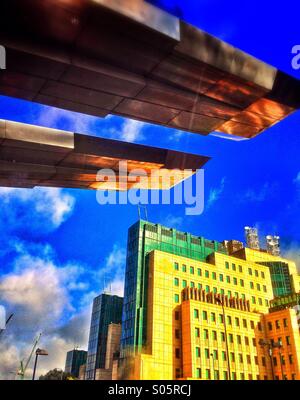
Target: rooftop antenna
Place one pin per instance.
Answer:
(141, 207)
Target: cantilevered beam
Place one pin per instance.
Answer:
(36, 156)
(129, 58)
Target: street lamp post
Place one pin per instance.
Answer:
(226, 342)
(39, 352)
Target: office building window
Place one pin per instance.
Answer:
(196, 313)
(184, 268)
(270, 327)
(259, 326)
(251, 285)
(176, 281)
(205, 332)
(206, 274)
(177, 315)
(242, 282)
(192, 270)
(198, 373)
(198, 352)
(207, 373)
(249, 359)
(237, 322)
(214, 335)
(288, 340)
(226, 264)
(176, 298)
(184, 283)
(197, 332)
(199, 272)
(207, 289)
(206, 352)
(213, 317)
(177, 334)
(199, 286)
(233, 267)
(239, 339)
(250, 271)
(221, 277)
(224, 358)
(244, 323)
(241, 358)
(177, 353)
(176, 266)
(214, 275)
(258, 286)
(235, 281)
(192, 284)
(277, 325)
(285, 323)
(240, 268)
(275, 361)
(204, 315)
(246, 341)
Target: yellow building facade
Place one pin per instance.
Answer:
(210, 320)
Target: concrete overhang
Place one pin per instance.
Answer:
(36, 156)
(128, 58)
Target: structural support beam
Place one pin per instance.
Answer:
(35, 156)
(129, 58)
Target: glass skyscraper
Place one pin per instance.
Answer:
(143, 237)
(75, 358)
(107, 309)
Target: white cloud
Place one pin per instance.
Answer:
(47, 207)
(116, 287)
(112, 273)
(116, 258)
(130, 131)
(40, 294)
(215, 193)
(72, 121)
(260, 194)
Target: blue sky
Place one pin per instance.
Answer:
(65, 237)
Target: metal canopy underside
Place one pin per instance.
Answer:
(35, 156)
(99, 57)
